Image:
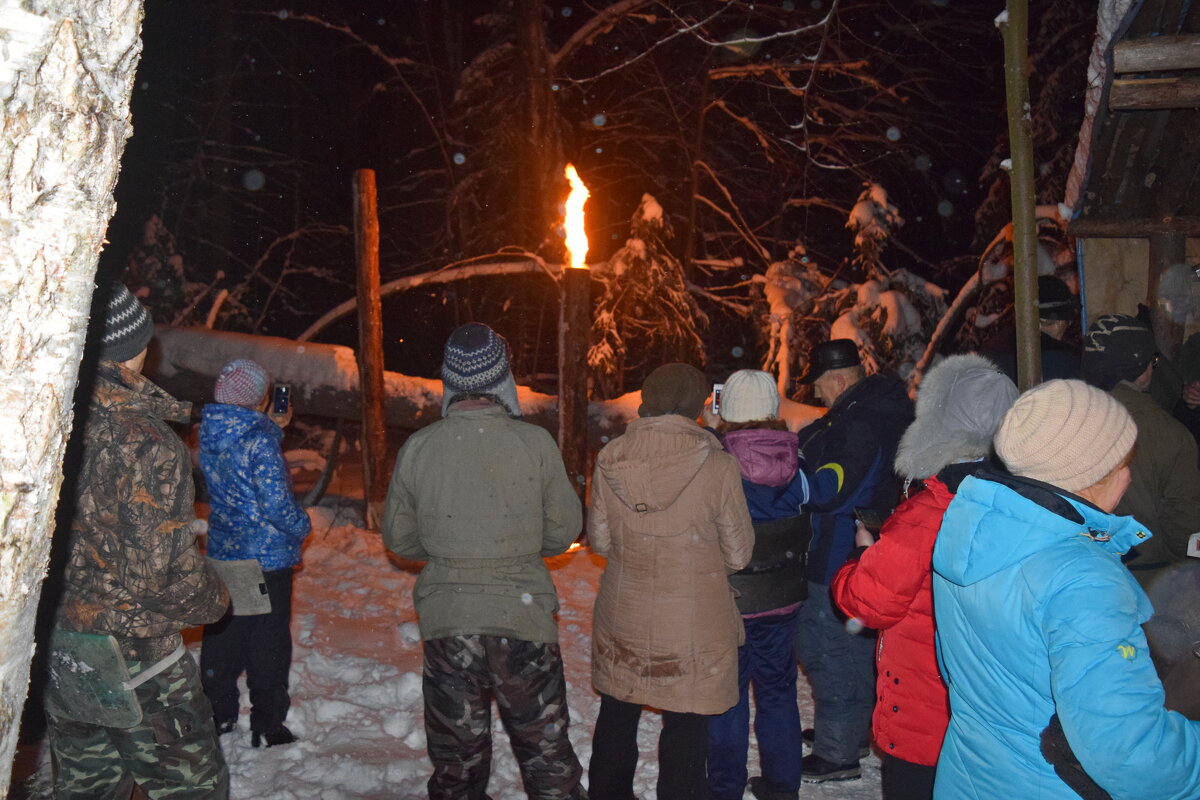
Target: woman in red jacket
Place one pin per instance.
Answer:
(888, 587)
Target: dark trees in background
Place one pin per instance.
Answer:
(753, 125)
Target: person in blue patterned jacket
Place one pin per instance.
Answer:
(255, 524)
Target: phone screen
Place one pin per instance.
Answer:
(716, 397)
(282, 399)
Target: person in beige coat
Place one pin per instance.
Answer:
(668, 512)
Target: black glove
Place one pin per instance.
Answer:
(1057, 752)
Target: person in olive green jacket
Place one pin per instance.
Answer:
(1120, 355)
(482, 498)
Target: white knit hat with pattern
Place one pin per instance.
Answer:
(749, 395)
(1065, 433)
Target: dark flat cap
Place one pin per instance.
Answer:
(834, 354)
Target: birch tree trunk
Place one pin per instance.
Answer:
(66, 71)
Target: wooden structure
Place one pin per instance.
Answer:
(1016, 83)
(574, 329)
(1138, 221)
(370, 339)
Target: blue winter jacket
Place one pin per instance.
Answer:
(254, 514)
(1036, 615)
(849, 452)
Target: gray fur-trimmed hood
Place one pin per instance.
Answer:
(959, 406)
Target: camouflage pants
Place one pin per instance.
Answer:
(172, 753)
(461, 675)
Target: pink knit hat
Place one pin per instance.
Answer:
(1065, 433)
(242, 382)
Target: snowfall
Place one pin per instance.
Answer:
(356, 678)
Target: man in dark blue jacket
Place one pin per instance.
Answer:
(849, 452)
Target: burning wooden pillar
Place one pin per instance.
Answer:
(574, 328)
(370, 341)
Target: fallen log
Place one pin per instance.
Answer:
(324, 381)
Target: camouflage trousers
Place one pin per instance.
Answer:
(461, 676)
(172, 753)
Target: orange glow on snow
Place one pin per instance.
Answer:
(577, 241)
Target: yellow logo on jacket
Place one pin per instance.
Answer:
(1127, 651)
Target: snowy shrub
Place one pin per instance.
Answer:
(645, 315)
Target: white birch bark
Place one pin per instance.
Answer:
(66, 71)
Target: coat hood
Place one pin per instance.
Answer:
(654, 461)
(767, 457)
(222, 426)
(999, 521)
(959, 406)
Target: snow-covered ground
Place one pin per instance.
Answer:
(356, 683)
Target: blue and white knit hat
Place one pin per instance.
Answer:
(127, 326)
(476, 361)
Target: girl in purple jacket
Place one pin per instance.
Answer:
(769, 592)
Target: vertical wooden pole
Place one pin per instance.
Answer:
(574, 329)
(1166, 250)
(1024, 201)
(370, 340)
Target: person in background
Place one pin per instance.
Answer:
(669, 514)
(482, 498)
(1119, 356)
(769, 590)
(1039, 624)
(888, 586)
(849, 452)
(134, 579)
(256, 523)
(1187, 410)
(1058, 308)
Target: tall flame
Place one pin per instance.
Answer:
(577, 241)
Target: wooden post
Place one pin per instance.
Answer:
(1024, 202)
(1166, 250)
(574, 329)
(370, 341)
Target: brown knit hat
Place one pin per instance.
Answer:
(1065, 433)
(674, 389)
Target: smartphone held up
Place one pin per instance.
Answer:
(716, 397)
(281, 400)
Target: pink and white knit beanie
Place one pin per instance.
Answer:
(242, 382)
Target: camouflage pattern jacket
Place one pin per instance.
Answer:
(134, 570)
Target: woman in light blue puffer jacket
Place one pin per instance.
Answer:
(1037, 618)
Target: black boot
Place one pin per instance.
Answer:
(280, 735)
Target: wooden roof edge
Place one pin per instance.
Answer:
(1133, 228)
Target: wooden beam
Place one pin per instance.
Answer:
(1146, 94)
(370, 340)
(1132, 228)
(1016, 84)
(1157, 53)
(574, 332)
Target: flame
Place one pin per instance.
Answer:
(577, 241)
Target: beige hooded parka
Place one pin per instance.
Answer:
(668, 512)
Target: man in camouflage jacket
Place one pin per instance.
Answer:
(134, 573)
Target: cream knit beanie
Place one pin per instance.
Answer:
(1065, 433)
(749, 395)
